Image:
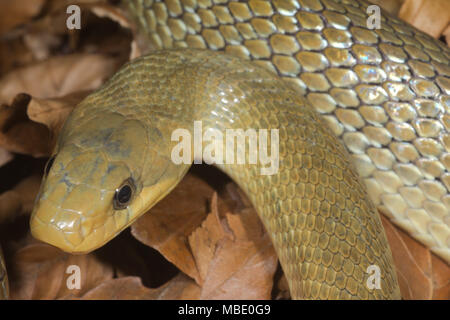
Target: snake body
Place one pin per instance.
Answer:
(383, 93)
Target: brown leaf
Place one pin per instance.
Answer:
(167, 225)
(39, 271)
(230, 257)
(391, 6)
(5, 156)
(58, 76)
(20, 199)
(180, 287)
(237, 261)
(21, 124)
(107, 11)
(53, 112)
(431, 17)
(421, 274)
(14, 13)
(18, 133)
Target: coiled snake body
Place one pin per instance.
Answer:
(384, 93)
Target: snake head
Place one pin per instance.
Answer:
(93, 186)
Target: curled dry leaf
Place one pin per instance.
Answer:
(5, 156)
(167, 225)
(31, 125)
(40, 271)
(431, 17)
(21, 123)
(131, 288)
(116, 14)
(230, 257)
(421, 274)
(58, 76)
(53, 112)
(20, 199)
(391, 6)
(18, 133)
(14, 13)
(235, 256)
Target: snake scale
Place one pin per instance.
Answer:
(378, 137)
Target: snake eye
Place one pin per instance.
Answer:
(124, 194)
(49, 165)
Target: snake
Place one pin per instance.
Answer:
(361, 113)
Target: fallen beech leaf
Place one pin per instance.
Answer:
(421, 274)
(431, 17)
(13, 13)
(131, 288)
(20, 199)
(237, 261)
(53, 112)
(18, 133)
(58, 76)
(26, 117)
(114, 13)
(14, 53)
(391, 6)
(40, 44)
(166, 226)
(38, 271)
(5, 156)
(10, 204)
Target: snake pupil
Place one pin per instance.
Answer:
(123, 194)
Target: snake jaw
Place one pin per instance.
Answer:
(76, 232)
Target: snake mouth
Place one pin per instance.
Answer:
(74, 233)
(50, 234)
(75, 229)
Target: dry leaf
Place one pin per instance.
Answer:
(14, 13)
(235, 256)
(229, 258)
(22, 124)
(167, 225)
(391, 6)
(18, 133)
(431, 17)
(53, 112)
(421, 274)
(19, 200)
(131, 288)
(58, 76)
(39, 271)
(5, 156)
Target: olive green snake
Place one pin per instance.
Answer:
(363, 119)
